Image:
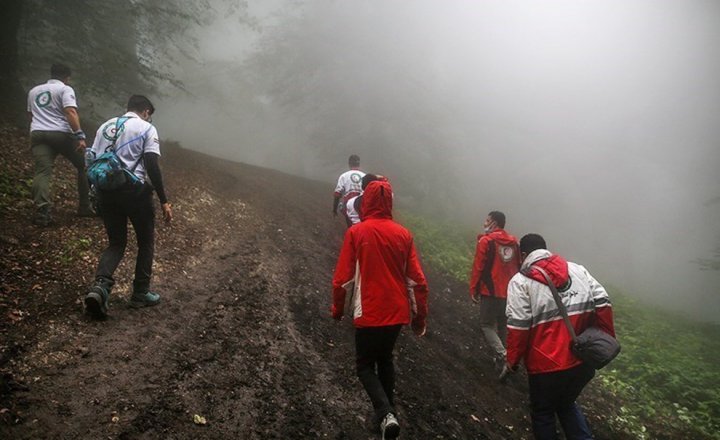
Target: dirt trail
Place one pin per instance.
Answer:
(243, 335)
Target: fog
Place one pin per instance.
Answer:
(594, 123)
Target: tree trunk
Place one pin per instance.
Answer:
(13, 107)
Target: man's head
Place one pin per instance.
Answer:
(354, 161)
(142, 106)
(367, 178)
(531, 242)
(495, 220)
(60, 72)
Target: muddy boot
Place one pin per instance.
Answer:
(147, 299)
(42, 216)
(96, 300)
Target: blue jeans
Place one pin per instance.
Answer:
(554, 394)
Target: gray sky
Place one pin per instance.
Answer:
(595, 123)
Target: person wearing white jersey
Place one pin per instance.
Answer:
(348, 186)
(353, 208)
(135, 141)
(55, 129)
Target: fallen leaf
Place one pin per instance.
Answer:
(199, 420)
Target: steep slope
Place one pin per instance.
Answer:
(243, 335)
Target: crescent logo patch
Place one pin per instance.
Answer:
(506, 253)
(43, 99)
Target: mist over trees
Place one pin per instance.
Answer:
(114, 48)
(592, 123)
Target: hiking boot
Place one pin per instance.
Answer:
(389, 427)
(96, 301)
(42, 216)
(147, 299)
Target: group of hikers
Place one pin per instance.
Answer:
(378, 279)
(379, 272)
(134, 143)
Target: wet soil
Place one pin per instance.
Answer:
(242, 339)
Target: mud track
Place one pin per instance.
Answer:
(243, 336)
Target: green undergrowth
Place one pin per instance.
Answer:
(668, 368)
(667, 373)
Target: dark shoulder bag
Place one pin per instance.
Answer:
(595, 347)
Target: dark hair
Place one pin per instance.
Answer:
(59, 71)
(532, 242)
(367, 178)
(498, 217)
(354, 160)
(139, 103)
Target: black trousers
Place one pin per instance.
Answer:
(374, 361)
(116, 208)
(554, 394)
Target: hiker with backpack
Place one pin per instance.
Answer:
(390, 291)
(126, 153)
(55, 130)
(540, 316)
(497, 259)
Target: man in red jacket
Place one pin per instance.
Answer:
(497, 259)
(390, 290)
(537, 334)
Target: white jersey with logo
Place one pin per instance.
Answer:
(351, 212)
(46, 103)
(135, 137)
(349, 184)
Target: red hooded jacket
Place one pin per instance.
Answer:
(389, 273)
(501, 250)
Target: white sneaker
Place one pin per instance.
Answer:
(389, 427)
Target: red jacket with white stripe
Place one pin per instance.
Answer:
(536, 330)
(500, 250)
(389, 284)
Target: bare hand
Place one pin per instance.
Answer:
(167, 212)
(419, 330)
(81, 145)
(474, 299)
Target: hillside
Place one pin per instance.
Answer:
(243, 336)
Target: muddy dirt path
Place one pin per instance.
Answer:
(243, 336)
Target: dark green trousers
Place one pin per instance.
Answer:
(46, 145)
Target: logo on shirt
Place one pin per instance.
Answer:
(109, 131)
(506, 253)
(355, 177)
(43, 99)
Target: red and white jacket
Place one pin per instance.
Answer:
(536, 330)
(389, 283)
(501, 250)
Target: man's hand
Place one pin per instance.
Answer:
(419, 329)
(337, 315)
(507, 370)
(81, 145)
(167, 212)
(474, 298)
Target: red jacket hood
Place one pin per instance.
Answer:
(500, 236)
(377, 201)
(555, 266)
